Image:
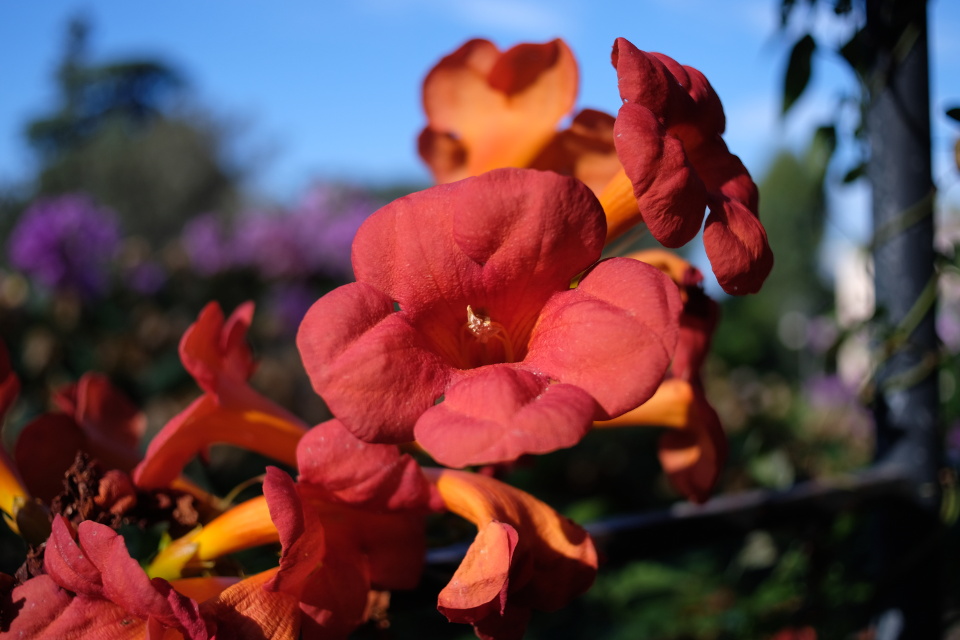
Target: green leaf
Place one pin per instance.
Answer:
(855, 173)
(859, 52)
(798, 71)
(826, 136)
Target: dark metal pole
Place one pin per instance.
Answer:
(906, 400)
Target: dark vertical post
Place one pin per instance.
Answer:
(906, 410)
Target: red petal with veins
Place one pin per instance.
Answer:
(670, 195)
(499, 412)
(373, 476)
(621, 318)
(369, 364)
(301, 533)
(98, 567)
(693, 168)
(737, 246)
(455, 244)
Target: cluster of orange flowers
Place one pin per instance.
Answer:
(484, 324)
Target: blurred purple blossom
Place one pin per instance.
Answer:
(206, 243)
(948, 328)
(312, 238)
(831, 397)
(66, 242)
(289, 302)
(146, 278)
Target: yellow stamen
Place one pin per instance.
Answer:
(483, 329)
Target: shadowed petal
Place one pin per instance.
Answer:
(374, 476)
(46, 481)
(694, 451)
(97, 566)
(479, 587)
(585, 150)
(737, 246)
(693, 456)
(248, 610)
(111, 423)
(551, 560)
(670, 195)
(498, 413)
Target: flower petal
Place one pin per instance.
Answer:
(13, 493)
(43, 610)
(249, 421)
(585, 150)
(553, 560)
(444, 154)
(694, 450)
(373, 476)
(111, 423)
(621, 318)
(502, 241)
(98, 566)
(45, 480)
(300, 531)
(498, 413)
(212, 348)
(503, 107)
(242, 526)
(247, 610)
(644, 80)
(737, 246)
(693, 456)
(479, 587)
(670, 195)
(368, 364)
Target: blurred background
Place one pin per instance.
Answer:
(155, 156)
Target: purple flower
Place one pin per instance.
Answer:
(270, 244)
(328, 219)
(206, 243)
(289, 302)
(66, 242)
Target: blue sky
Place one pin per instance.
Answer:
(328, 89)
